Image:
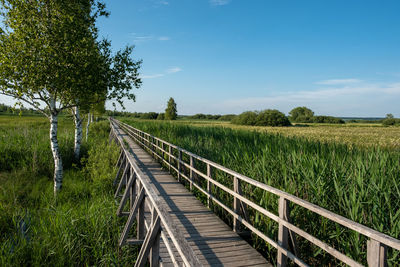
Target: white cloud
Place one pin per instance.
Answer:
(339, 81)
(174, 69)
(152, 76)
(164, 3)
(164, 38)
(149, 37)
(143, 38)
(219, 2)
(158, 75)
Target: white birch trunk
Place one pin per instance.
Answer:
(58, 168)
(78, 133)
(87, 126)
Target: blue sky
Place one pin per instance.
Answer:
(339, 58)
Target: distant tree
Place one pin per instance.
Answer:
(272, 117)
(149, 116)
(301, 114)
(227, 117)
(171, 112)
(246, 118)
(389, 116)
(268, 117)
(161, 116)
(327, 119)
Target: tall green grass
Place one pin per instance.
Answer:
(80, 227)
(359, 183)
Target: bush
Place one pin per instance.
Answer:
(268, 117)
(227, 117)
(327, 119)
(272, 117)
(246, 118)
(301, 114)
(391, 121)
(161, 116)
(149, 116)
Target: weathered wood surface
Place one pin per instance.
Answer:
(213, 242)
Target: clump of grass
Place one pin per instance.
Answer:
(359, 183)
(79, 227)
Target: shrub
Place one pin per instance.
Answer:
(391, 121)
(161, 116)
(227, 117)
(268, 117)
(272, 117)
(246, 118)
(327, 119)
(149, 116)
(301, 114)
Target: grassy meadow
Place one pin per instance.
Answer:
(360, 182)
(79, 227)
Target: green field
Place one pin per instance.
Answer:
(357, 181)
(79, 227)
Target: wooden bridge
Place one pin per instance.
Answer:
(175, 229)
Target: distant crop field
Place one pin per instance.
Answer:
(351, 134)
(359, 182)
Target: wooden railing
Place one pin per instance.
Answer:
(165, 152)
(140, 192)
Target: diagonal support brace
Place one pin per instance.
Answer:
(128, 225)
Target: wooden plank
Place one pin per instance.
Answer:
(121, 182)
(283, 232)
(126, 194)
(148, 243)
(376, 254)
(155, 248)
(128, 225)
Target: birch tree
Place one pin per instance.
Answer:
(119, 75)
(49, 58)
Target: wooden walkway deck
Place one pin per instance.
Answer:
(213, 242)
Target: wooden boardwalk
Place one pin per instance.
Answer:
(213, 242)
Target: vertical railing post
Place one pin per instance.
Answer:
(162, 153)
(155, 249)
(179, 164)
(209, 184)
(191, 173)
(140, 216)
(376, 254)
(132, 190)
(169, 157)
(236, 204)
(283, 232)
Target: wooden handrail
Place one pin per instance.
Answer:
(185, 251)
(377, 243)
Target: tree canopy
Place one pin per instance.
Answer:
(301, 114)
(171, 112)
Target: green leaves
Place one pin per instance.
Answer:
(171, 111)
